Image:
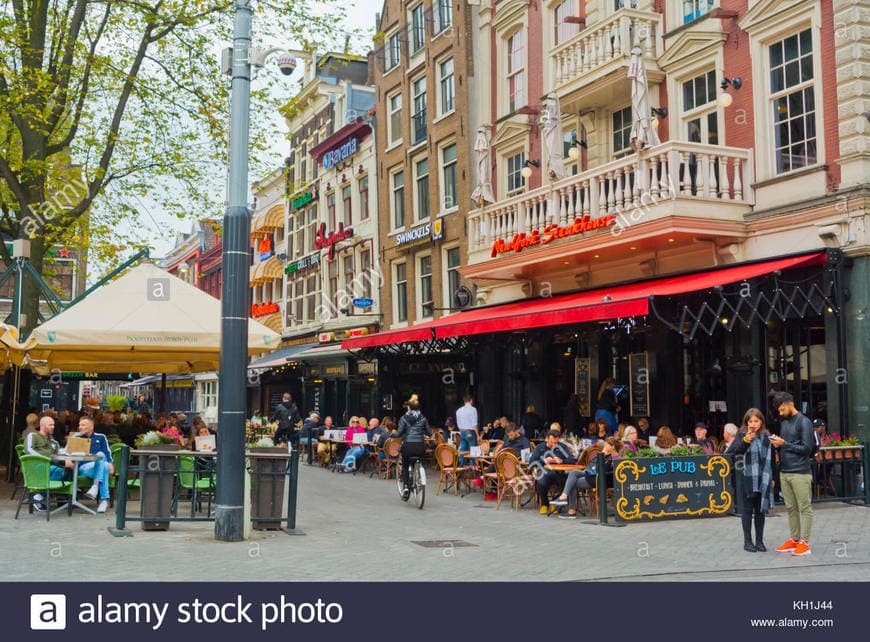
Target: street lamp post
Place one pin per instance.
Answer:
(229, 504)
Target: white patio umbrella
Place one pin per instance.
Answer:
(642, 132)
(553, 140)
(483, 192)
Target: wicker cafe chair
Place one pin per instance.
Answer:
(447, 458)
(36, 470)
(512, 478)
(390, 462)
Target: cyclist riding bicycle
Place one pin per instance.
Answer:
(413, 430)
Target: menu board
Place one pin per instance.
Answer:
(668, 487)
(638, 387)
(582, 384)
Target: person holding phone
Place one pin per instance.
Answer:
(753, 446)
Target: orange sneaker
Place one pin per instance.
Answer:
(801, 548)
(787, 547)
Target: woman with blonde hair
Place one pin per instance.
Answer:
(665, 440)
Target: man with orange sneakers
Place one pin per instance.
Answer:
(795, 444)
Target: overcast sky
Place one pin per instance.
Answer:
(161, 230)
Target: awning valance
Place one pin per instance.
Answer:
(617, 301)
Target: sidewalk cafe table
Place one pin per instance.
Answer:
(73, 501)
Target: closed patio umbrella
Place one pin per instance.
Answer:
(483, 192)
(642, 132)
(553, 143)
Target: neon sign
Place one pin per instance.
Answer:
(551, 233)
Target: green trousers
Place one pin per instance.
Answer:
(797, 491)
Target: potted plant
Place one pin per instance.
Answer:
(268, 467)
(157, 479)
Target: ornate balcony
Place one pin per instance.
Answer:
(705, 185)
(603, 50)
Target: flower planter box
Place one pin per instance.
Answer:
(157, 485)
(268, 468)
(833, 453)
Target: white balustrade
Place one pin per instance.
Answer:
(671, 170)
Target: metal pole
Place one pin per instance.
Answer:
(601, 486)
(229, 503)
(293, 480)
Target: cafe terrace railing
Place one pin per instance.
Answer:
(631, 186)
(606, 41)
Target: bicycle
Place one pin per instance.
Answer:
(417, 483)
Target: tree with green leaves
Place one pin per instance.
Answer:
(107, 102)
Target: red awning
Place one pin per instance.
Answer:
(611, 302)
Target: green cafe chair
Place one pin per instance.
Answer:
(19, 450)
(36, 471)
(197, 482)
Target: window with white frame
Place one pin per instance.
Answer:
(349, 275)
(515, 181)
(427, 302)
(700, 109)
(311, 226)
(421, 187)
(418, 118)
(332, 275)
(621, 123)
(365, 259)
(398, 189)
(207, 394)
(448, 177)
(452, 280)
(694, 9)
(298, 296)
(516, 71)
(792, 96)
(347, 206)
(394, 107)
(417, 29)
(401, 292)
(393, 53)
(445, 85)
(311, 291)
(330, 210)
(564, 31)
(444, 14)
(364, 198)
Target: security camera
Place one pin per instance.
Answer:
(287, 64)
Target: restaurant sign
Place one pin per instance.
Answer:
(665, 487)
(303, 199)
(301, 265)
(328, 241)
(421, 234)
(551, 233)
(340, 153)
(262, 309)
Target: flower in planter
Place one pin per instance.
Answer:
(172, 433)
(264, 442)
(153, 438)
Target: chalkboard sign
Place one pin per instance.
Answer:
(664, 487)
(582, 384)
(275, 397)
(638, 387)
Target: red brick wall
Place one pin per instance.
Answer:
(829, 89)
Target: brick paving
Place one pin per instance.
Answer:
(357, 529)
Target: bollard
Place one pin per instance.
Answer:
(293, 480)
(866, 451)
(121, 494)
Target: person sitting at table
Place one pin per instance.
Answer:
(665, 440)
(354, 452)
(514, 442)
(729, 432)
(643, 431)
(531, 422)
(629, 439)
(42, 443)
(99, 470)
(494, 430)
(324, 449)
(552, 451)
(586, 479)
(701, 438)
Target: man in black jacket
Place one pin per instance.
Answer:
(287, 415)
(552, 451)
(413, 430)
(795, 444)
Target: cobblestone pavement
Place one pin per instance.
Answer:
(356, 528)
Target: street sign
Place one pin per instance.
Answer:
(363, 303)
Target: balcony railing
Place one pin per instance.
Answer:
(608, 40)
(635, 184)
(418, 127)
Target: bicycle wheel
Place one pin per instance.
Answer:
(419, 484)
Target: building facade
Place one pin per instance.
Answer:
(317, 276)
(701, 270)
(424, 72)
